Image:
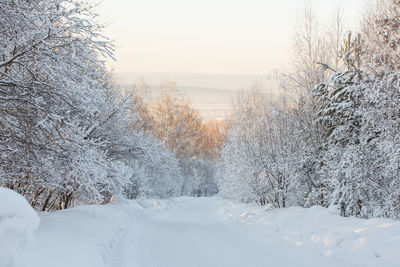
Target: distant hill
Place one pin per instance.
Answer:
(199, 80)
(212, 103)
(211, 94)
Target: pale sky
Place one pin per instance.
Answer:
(209, 36)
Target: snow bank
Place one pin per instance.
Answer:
(18, 221)
(352, 241)
(82, 236)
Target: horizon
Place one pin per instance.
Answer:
(193, 80)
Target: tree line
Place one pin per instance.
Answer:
(331, 135)
(68, 135)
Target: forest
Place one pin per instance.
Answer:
(328, 134)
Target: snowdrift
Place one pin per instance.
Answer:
(18, 221)
(349, 240)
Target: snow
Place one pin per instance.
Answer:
(82, 236)
(210, 232)
(349, 241)
(18, 221)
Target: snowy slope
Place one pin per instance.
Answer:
(210, 232)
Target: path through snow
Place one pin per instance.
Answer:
(192, 232)
(210, 232)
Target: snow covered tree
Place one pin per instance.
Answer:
(381, 31)
(258, 160)
(315, 50)
(52, 86)
(176, 123)
(351, 102)
(66, 134)
(337, 141)
(362, 137)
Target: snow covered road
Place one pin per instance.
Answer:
(192, 233)
(210, 232)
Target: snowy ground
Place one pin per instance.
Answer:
(210, 232)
